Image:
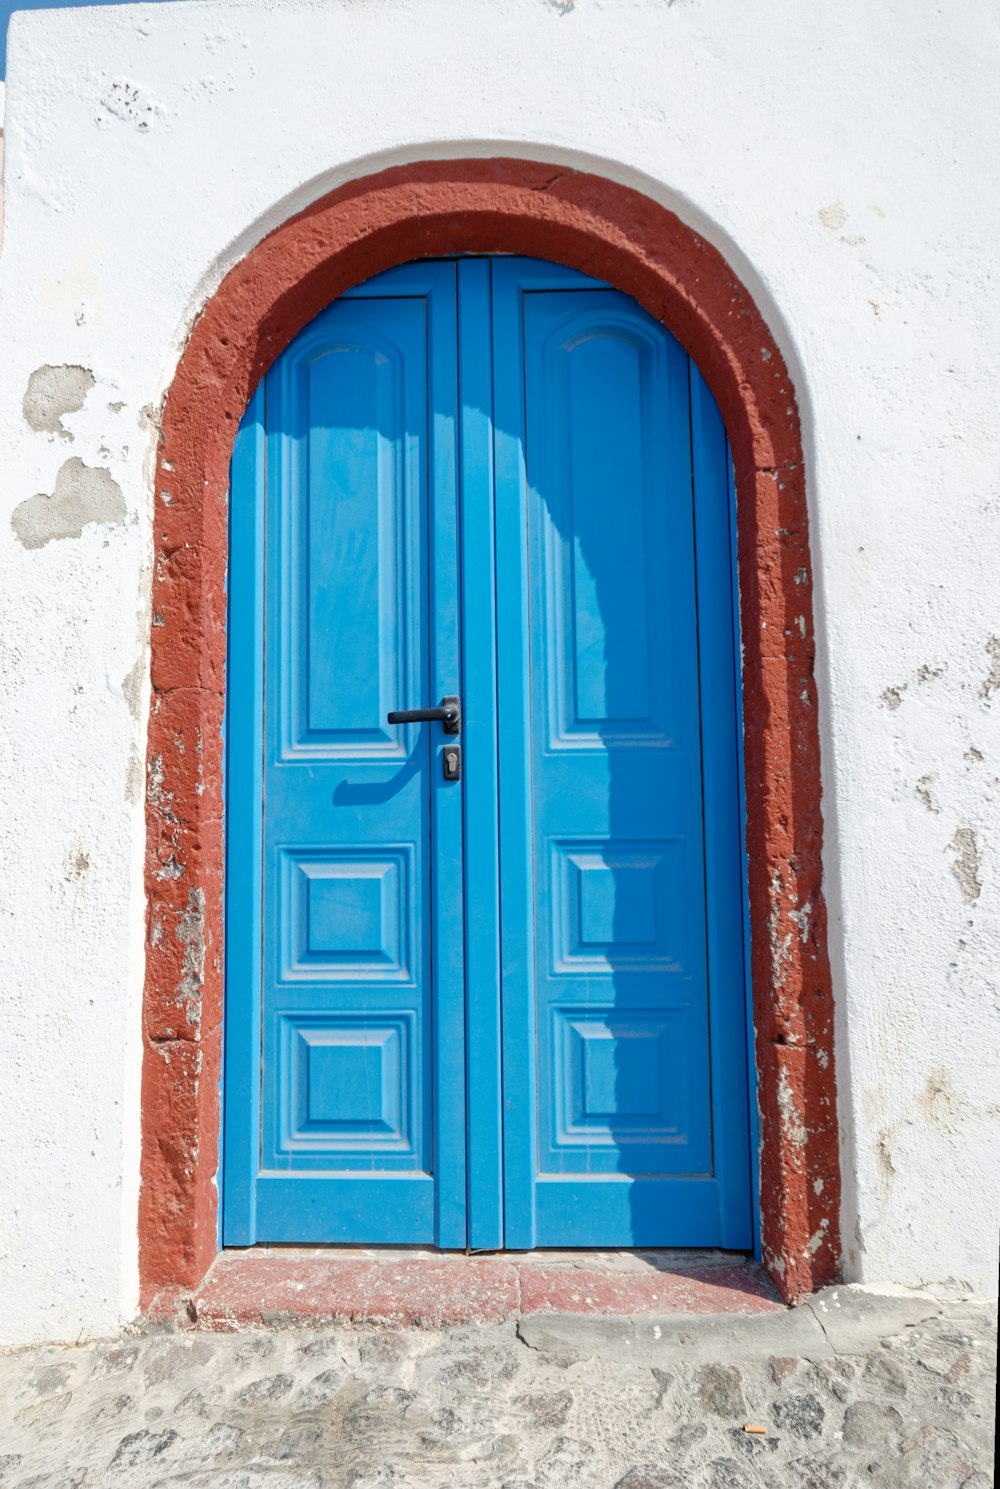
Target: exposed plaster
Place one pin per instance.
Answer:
(130, 103)
(788, 1110)
(53, 392)
(132, 685)
(833, 217)
(77, 865)
(191, 933)
(922, 791)
(967, 864)
(892, 697)
(992, 682)
(83, 494)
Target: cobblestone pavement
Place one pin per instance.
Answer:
(850, 1396)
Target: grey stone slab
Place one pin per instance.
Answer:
(721, 1339)
(694, 1338)
(854, 1319)
(578, 1334)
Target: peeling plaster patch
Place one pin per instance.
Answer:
(172, 869)
(132, 686)
(973, 754)
(789, 1112)
(940, 1100)
(191, 933)
(131, 104)
(158, 797)
(780, 945)
(816, 1240)
(833, 217)
(802, 919)
(133, 776)
(883, 1152)
(966, 865)
(116, 407)
(77, 866)
(893, 697)
(83, 494)
(922, 791)
(992, 682)
(772, 1261)
(52, 392)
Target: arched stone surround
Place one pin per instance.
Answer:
(600, 228)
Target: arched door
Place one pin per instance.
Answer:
(485, 975)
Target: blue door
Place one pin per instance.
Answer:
(484, 968)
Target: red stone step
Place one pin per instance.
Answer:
(254, 1287)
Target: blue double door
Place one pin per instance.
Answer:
(485, 973)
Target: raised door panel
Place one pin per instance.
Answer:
(353, 623)
(596, 372)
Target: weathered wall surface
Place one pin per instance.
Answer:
(829, 159)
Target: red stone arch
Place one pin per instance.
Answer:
(600, 228)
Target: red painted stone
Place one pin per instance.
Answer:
(734, 1289)
(253, 1288)
(601, 228)
(256, 1287)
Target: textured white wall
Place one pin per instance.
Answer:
(841, 160)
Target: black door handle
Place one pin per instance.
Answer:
(449, 714)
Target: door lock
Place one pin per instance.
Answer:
(451, 758)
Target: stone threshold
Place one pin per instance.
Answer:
(839, 1320)
(271, 1285)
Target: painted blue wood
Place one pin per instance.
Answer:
(361, 839)
(510, 1011)
(244, 790)
(722, 764)
(484, 1125)
(605, 913)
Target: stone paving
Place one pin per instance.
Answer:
(851, 1390)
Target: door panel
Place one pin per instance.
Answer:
(360, 1092)
(510, 1010)
(606, 973)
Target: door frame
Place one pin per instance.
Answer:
(587, 222)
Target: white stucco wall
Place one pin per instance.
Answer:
(3, 88)
(841, 159)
